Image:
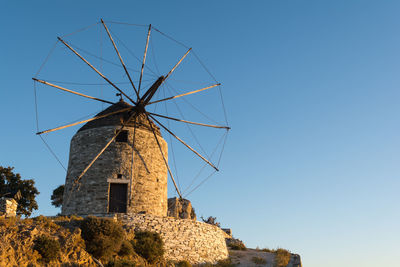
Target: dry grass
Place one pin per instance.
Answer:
(258, 260)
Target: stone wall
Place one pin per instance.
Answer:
(147, 191)
(8, 207)
(184, 239)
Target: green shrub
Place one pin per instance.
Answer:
(238, 246)
(149, 245)
(126, 249)
(103, 237)
(282, 257)
(258, 260)
(47, 247)
(183, 264)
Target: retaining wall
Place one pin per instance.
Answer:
(184, 239)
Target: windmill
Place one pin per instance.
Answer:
(128, 120)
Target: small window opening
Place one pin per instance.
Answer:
(119, 176)
(122, 137)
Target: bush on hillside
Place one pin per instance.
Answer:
(126, 249)
(235, 244)
(47, 247)
(103, 237)
(282, 257)
(149, 245)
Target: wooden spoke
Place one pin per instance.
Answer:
(190, 122)
(189, 93)
(120, 58)
(103, 149)
(151, 91)
(144, 60)
(162, 154)
(177, 64)
(183, 142)
(72, 92)
(98, 72)
(80, 122)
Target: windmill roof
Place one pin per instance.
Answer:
(118, 118)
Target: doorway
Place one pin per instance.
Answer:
(118, 198)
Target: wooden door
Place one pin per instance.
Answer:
(118, 198)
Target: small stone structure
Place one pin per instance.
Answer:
(184, 239)
(113, 184)
(8, 207)
(180, 208)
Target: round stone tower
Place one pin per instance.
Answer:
(122, 179)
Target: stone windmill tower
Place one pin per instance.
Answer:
(125, 178)
(118, 159)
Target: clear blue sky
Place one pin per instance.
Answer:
(312, 94)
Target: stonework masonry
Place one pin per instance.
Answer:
(180, 208)
(147, 190)
(184, 239)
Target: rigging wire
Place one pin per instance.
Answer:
(37, 128)
(202, 182)
(52, 152)
(80, 30)
(133, 54)
(219, 88)
(205, 164)
(102, 59)
(195, 108)
(169, 37)
(47, 58)
(129, 24)
(189, 128)
(90, 84)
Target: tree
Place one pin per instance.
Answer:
(11, 182)
(57, 196)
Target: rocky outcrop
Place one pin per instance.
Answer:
(17, 242)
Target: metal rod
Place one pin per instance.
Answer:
(144, 60)
(177, 64)
(104, 148)
(98, 72)
(119, 56)
(70, 91)
(183, 142)
(191, 122)
(162, 154)
(189, 93)
(80, 122)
